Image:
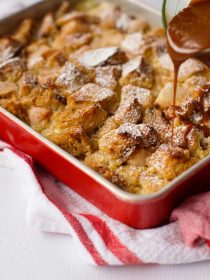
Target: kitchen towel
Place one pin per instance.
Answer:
(53, 207)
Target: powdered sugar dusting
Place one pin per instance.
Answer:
(123, 22)
(130, 111)
(145, 135)
(143, 95)
(132, 65)
(133, 42)
(101, 57)
(174, 151)
(131, 129)
(108, 76)
(190, 67)
(72, 77)
(138, 66)
(93, 93)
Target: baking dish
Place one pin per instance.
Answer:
(134, 210)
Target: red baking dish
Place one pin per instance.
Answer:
(138, 211)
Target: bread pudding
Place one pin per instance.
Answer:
(98, 82)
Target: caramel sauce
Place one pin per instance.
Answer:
(188, 35)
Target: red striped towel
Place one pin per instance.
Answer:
(53, 207)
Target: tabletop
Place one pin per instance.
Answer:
(27, 254)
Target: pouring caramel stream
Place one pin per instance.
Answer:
(188, 35)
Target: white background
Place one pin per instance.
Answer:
(26, 254)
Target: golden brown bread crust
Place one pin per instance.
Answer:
(98, 83)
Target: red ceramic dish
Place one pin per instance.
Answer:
(139, 211)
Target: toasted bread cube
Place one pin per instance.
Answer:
(144, 136)
(138, 158)
(24, 31)
(12, 69)
(138, 25)
(7, 88)
(103, 57)
(14, 107)
(47, 78)
(37, 114)
(53, 58)
(137, 72)
(143, 95)
(151, 183)
(108, 76)
(134, 43)
(154, 117)
(47, 26)
(72, 78)
(77, 15)
(110, 15)
(108, 168)
(109, 124)
(40, 57)
(73, 139)
(127, 178)
(73, 27)
(38, 118)
(195, 82)
(89, 115)
(35, 58)
(45, 98)
(95, 94)
(101, 162)
(8, 48)
(63, 8)
(169, 161)
(115, 17)
(157, 44)
(72, 42)
(123, 21)
(129, 112)
(185, 137)
(116, 146)
(122, 142)
(28, 82)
